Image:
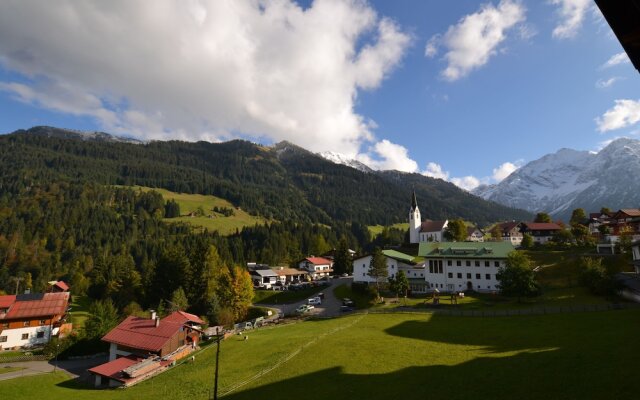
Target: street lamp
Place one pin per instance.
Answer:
(55, 366)
(215, 384)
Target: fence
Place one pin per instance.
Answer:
(40, 357)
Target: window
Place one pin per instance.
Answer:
(477, 263)
(459, 275)
(42, 322)
(40, 335)
(3, 339)
(25, 336)
(468, 263)
(439, 266)
(458, 263)
(449, 263)
(478, 276)
(450, 274)
(468, 276)
(4, 325)
(26, 323)
(364, 266)
(497, 263)
(363, 274)
(420, 274)
(488, 276)
(487, 264)
(430, 268)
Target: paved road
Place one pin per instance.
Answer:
(74, 368)
(330, 305)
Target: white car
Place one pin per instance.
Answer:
(314, 301)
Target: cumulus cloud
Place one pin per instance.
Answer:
(467, 182)
(617, 59)
(571, 13)
(435, 171)
(385, 155)
(204, 69)
(625, 113)
(503, 171)
(475, 38)
(605, 83)
(470, 182)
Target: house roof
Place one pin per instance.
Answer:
(432, 226)
(465, 250)
(6, 301)
(472, 229)
(143, 334)
(632, 212)
(507, 226)
(183, 317)
(542, 226)
(263, 272)
(113, 369)
(317, 260)
(62, 285)
(35, 305)
(396, 255)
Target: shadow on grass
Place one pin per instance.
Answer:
(523, 358)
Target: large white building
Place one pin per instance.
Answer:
(413, 268)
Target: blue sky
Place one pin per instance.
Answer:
(461, 90)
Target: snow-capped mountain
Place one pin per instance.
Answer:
(560, 182)
(338, 158)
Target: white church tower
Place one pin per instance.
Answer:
(415, 222)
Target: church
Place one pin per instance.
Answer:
(424, 231)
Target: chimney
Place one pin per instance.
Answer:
(157, 322)
(153, 314)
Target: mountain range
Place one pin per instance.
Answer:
(560, 182)
(279, 182)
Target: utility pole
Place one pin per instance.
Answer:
(215, 384)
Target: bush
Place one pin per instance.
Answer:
(596, 277)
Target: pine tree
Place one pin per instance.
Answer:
(342, 259)
(378, 267)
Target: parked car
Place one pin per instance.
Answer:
(346, 308)
(314, 300)
(302, 309)
(348, 302)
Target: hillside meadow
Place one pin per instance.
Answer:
(392, 356)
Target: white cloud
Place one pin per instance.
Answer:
(467, 182)
(474, 40)
(389, 156)
(431, 48)
(504, 170)
(605, 83)
(205, 69)
(571, 14)
(625, 113)
(616, 59)
(435, 171)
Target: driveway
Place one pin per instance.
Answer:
(330, 305)
(74, 368)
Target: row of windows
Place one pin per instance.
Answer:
(25, 336)
(476, 263)
(460, 286)
(478, 276)
(42, 322)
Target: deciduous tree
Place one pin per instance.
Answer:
(517, 279)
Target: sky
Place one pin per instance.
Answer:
(466, 91)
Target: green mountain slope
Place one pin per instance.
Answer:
(283, 182)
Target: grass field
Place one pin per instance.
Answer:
(211, 220)
(6, 370)
(394, 356)
(79, 311)
(375, 230)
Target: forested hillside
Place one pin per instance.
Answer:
(282, 183)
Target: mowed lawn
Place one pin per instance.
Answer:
(211, 220)
(395, 356)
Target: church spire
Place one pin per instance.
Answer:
(414, 201)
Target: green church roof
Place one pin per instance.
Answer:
(465, 249)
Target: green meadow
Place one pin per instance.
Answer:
(393, 356)
(210, 220)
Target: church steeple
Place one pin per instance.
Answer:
(415, 222)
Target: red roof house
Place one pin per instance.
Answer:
(317, 266)
(31, 319)
(542, 232)
(147, 343)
